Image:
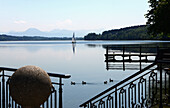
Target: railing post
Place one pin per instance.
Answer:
(0, 94)
(3, 90)
(169, 90)
(160, 106)
(60, 94)
(116, 97)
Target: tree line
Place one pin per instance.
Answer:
(139, 32)
(4, 37)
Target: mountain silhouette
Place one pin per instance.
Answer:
(53, 33)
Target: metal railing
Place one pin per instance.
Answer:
(144, 89)
(54, 100)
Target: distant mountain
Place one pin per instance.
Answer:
(33, 31)
(53, 33)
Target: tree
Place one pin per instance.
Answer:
(159, 17)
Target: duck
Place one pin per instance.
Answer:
(110, 80)
(105, 82)
(83, 82)
(73, 83)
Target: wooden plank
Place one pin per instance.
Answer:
(130, 54)
(113, 60)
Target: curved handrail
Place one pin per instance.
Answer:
(50, 74)
(118, 84)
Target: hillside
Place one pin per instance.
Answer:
(129, 33)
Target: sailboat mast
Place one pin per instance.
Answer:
(73, 38)
(73, 35)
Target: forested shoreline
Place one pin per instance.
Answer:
(139, 32)
(32, 38)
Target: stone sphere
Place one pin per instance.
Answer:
(30, 86)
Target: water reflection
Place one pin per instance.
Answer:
(74, 47)
(93, 45)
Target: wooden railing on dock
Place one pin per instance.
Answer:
(126, 55)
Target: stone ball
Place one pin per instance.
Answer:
(30, 86)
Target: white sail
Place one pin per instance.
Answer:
(73, 38)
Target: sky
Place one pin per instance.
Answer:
(47, 15)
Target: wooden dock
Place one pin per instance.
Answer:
(125, 56)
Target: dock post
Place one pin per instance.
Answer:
(60, 93)
(157, 49)
(140, 58)
(123, 58)
(107, 52)
(130, 56)
(160, 106)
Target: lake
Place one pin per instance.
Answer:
(84, 61)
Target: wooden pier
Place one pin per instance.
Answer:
(140, 57)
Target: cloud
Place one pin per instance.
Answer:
(20, 22)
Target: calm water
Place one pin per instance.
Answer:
(84, 61)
